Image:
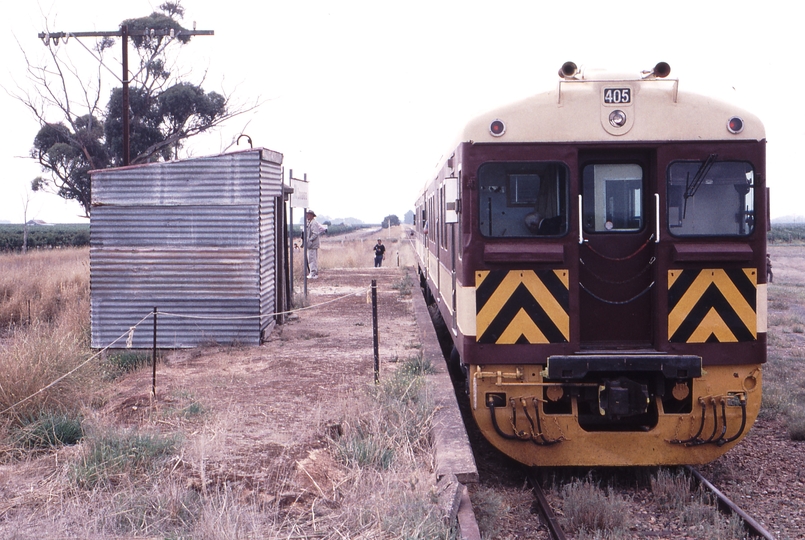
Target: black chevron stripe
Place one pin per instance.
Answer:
(488, 288)
(712, 299)
(680, 286)
(556, 287)
(522, 299)
(745, 286)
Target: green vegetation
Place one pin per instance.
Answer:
(44, 236)
(389, 436)
(84, 131)
(397, 422)
(404, 285)
(111, 457)
(122, 362)
(48, 430)
(789, 233)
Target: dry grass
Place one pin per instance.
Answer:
(39, 285)
(586, 508)
(357, 252)
(36, 349)
(136, 482)
(783, 378)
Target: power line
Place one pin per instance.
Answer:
(124, 33)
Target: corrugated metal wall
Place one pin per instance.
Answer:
(194, 239)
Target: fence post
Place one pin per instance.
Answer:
(374, 330)
(154, 359)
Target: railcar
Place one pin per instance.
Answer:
(597, 253)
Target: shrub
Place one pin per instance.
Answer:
(404, 285)
(48, 430)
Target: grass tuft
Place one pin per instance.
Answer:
(113, 456)
(488, 506)
(398, 422)
(48, 430)
(404, 286)
(796, 424)
(123, 362)
(672, 490)
(587, 507)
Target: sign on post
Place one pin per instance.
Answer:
(299, 195)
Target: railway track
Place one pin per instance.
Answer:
(727, 506)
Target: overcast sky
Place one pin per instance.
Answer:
(364, 97)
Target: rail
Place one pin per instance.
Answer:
(727, 506)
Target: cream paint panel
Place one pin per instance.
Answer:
(433, 267)
(465, 310)
(761, 307)
(655, 116)
(446, 285)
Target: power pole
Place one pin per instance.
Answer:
(124, 33)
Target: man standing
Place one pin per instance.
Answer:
(380, 253)
(312, 233)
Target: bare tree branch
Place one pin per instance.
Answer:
(81, 128)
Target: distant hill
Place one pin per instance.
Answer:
(788, 219)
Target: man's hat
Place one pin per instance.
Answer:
(310, 212)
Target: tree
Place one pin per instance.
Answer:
(164, 109)
(390, 221)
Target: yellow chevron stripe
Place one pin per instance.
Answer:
(480, 276)
(672, 275)
(688, 301)
(544, 298)
(736, 300)
(563, 277)
(521, 325)
(712, 324)
(497, 300)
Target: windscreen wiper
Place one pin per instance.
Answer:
(692, 186)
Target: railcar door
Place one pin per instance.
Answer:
(616, 249)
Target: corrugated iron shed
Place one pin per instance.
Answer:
(199, 239)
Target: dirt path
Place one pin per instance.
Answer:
(269, 406)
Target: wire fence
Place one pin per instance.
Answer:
(129, 336)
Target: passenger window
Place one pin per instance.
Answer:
(613, 197)
(523, 199)
(710, 198)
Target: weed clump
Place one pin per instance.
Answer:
(796, 424)
(113, 456)
(397, 421)
(672, 490)
(121, 363)
(48, 430)
(587, 507)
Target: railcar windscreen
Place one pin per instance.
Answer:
(613, 197)
(711, 198)
(523, 199)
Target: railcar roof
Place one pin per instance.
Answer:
(576, 111)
